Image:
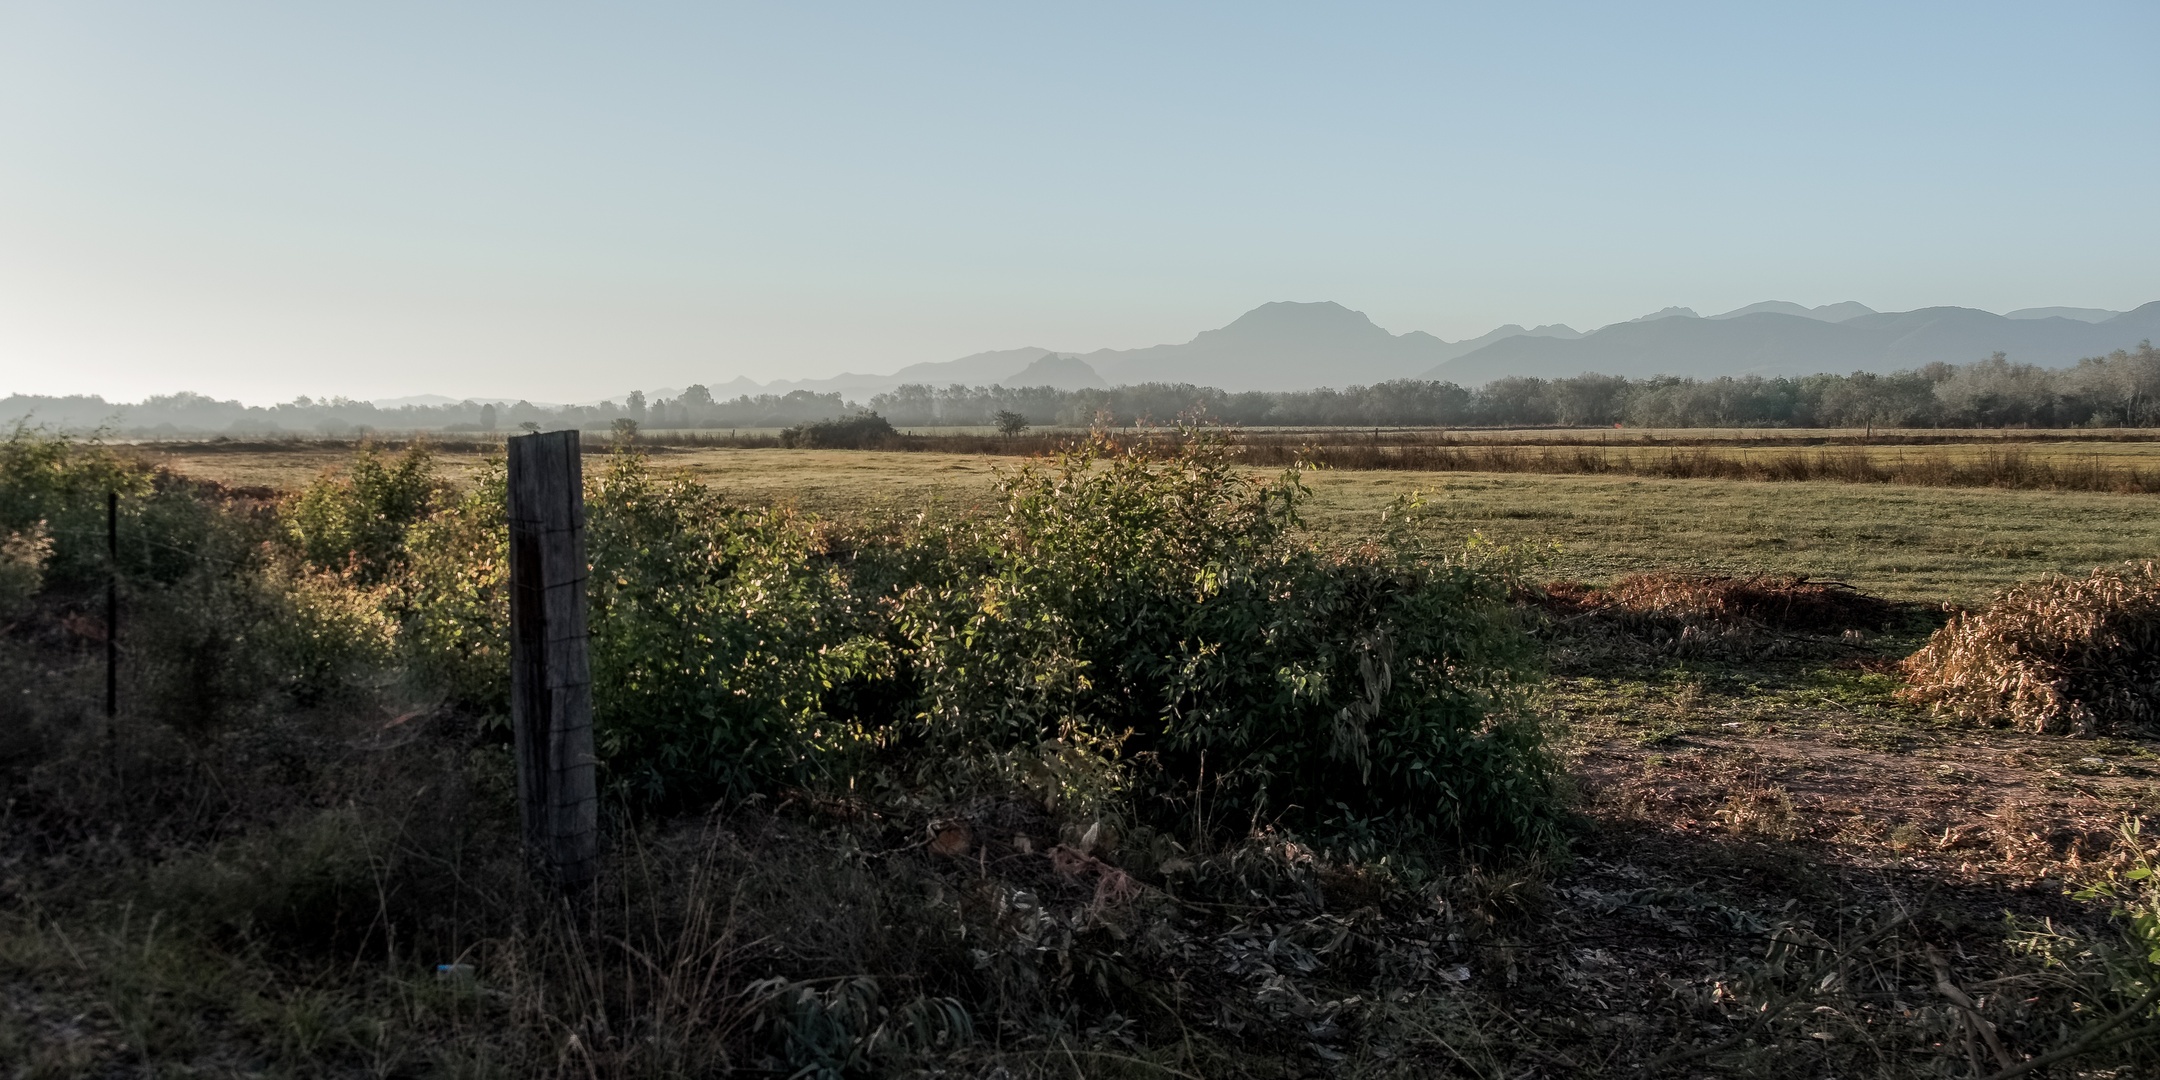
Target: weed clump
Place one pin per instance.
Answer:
(2063, 654)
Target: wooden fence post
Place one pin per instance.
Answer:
(550, 674)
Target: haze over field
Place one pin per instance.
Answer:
(561, 204)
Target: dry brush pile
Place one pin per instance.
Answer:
(2062, 654)
(1677, 615)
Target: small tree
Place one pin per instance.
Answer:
(625, 429)
(1008, 422)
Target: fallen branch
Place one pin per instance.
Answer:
(1965, 1004)
(2091, 1039)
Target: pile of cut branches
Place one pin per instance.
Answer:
(2064, 654)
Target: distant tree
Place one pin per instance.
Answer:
(1009, 422)
(625, 429)
(696, 394)
(487, 417)
(636, 404)
(530, 426)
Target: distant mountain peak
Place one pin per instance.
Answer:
(1062, 370)
(2078, 314)
(1838, 312)
(1319, 319)
(1668, 313)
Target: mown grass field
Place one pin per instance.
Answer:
(1902, 542)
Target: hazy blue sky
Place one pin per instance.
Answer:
(566, 201)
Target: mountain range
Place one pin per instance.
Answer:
(1769, 339)
(1294, 346)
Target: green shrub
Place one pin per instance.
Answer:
(55, 486)
(355, 520)
(311, 881)
(1154, 610)
(452, 598)
(1163, 601)
(22, 567)
(717, 633)
(213, 624)
(857, 432)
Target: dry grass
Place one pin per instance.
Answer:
(2014, 467)
(1781, 601)
(2062, 654)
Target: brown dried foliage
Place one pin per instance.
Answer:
(1778, 601)
(2063, 654)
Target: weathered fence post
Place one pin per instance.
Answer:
(550, 675)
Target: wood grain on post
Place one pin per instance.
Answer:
(550, 673)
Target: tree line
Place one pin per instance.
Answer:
(2118, 390)
(2121, 389)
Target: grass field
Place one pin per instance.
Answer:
(1904, 542)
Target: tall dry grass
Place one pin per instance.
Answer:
(2006, 468)
(2004, 464)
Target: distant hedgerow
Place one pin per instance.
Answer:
(860, 432)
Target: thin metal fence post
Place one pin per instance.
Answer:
(112, 629)
(550, 671)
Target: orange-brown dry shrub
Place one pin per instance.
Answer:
(2064, 654)
(1781, 601)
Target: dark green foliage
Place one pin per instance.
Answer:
(1152, 610)
(452, 602)
(858, 432)
(54, 488)
(356, 521)
(1163, 604)
(716, 633)
(213, 625)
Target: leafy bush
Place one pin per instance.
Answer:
(452, 599)
(355, 521)
(1162, 603)
(22, 567)
(1146, 613)
(857, 432)
(55, 487)
(717, 633)
(2061, 653)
